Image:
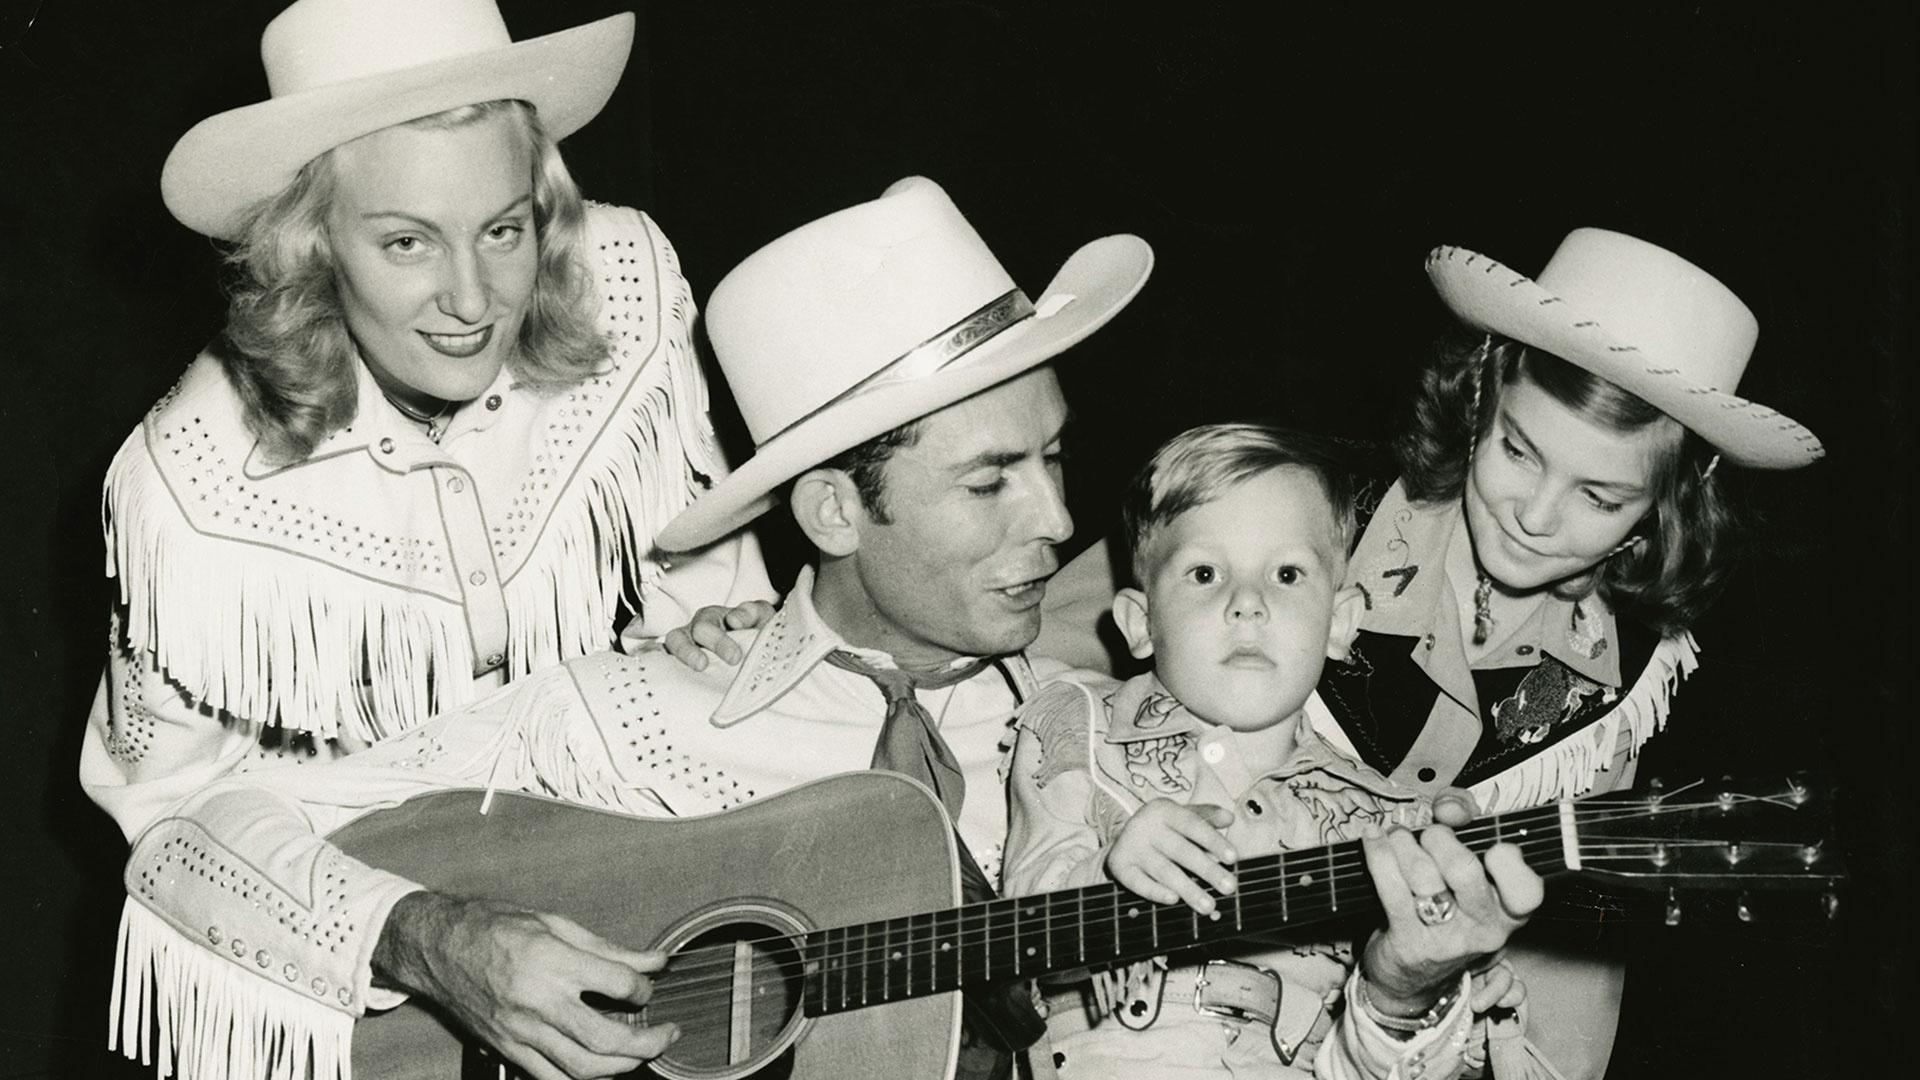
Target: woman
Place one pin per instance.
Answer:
(450, 407)
(1558, 526)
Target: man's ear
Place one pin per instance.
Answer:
(1348, 605)
(828, 509)
(1130, 615)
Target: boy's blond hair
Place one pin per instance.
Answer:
(1198, 465)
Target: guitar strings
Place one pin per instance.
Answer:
(880, 948)
(1341, 867)
(859, 984)
(872, 968)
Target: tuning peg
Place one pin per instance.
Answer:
(1733, 853)
(1660, 856)
(1744, 908)
(1673, 908)
(1810, 854)
(1726, 797)
(1831, 902)
(1797, 792)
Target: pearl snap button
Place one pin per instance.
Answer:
(478, 577)
(386, 446)
(456, 485)
(1213, 752)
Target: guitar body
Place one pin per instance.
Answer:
(851, 848)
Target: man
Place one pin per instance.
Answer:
(893, 379)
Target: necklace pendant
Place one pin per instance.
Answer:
(1483, 621)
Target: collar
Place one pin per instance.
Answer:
(388, 436)
(1143, 709)
(1406, 564)
(785, 651)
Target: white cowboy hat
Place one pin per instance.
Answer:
(340, 69)
(1642, 318)
(873, 317)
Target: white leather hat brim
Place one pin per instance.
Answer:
(1095, 283)
(228, 163)
(1490, 296)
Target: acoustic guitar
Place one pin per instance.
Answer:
(789, 956)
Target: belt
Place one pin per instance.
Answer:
(1243, 993)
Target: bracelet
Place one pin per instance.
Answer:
(1405, 1027)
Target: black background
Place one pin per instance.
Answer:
(1290, 170)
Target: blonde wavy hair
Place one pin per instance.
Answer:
(285, 347)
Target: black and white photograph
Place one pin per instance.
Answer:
(917, 540)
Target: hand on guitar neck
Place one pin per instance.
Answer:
(1166, 851)
(515, 978)
(1409, 964)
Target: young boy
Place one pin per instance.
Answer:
(1239, 537)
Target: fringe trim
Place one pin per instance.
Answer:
(551, 745)
(272, 637)
(644, 469)
(216, 1021)
(269, 636)
(1569, 768)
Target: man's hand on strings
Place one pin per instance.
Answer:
(515, 978)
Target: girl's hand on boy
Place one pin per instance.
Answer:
(1165, 846)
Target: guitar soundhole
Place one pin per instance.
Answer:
(734, 987)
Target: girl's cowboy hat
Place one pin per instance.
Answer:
(1642, 318)
(340, 69)
(873, 317)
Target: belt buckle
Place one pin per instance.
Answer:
(1234, 990)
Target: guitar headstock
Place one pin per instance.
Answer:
(1710, 835)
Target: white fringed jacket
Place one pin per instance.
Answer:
(276, 616)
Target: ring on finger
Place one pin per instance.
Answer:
(1435, 908)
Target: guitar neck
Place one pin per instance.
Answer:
(853, 967)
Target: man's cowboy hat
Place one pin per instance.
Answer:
(873, 317)
(1642, 318)
(340, 69)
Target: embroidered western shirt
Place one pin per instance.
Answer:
(1558, 704)
(1091, 753)
(245, 858)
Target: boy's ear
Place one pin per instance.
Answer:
(1130, 615)
(828, 509)
(1348, 605)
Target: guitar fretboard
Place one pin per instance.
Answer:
(852, 967)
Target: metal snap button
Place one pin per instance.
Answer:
(495, 659)
(478, 577)
(386, 446)
(493, 402)
(456, 485)
(1525, 650)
